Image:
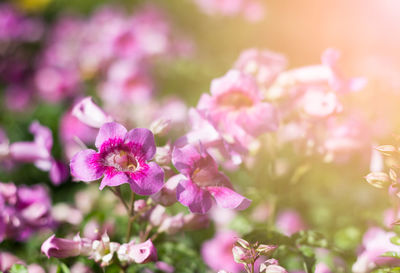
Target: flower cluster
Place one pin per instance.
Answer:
(24, 211)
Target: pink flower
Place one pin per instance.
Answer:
(127, 82)
(139, 253)
(122, 158)
(289, 222)
(55, 84)
(200, 181)
(236, 108)
(375, 242)
(72, 131)
(64, 248)
(38, 152)
(264, 65)
(217, 252)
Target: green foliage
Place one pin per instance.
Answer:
(18, 268)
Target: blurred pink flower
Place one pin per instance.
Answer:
(217, 252)
(289, 222)
(375, 242)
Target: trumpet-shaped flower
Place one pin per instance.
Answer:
(122, 158)
(200, 181)
(236, 108)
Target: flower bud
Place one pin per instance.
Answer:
(242, 255)
(61, 248)
(90, 113)
(265, 250)
(386, 149)
(160, 126)
(378, 179)
(139, 205)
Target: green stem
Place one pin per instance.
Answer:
(132, 217)
(117, 193)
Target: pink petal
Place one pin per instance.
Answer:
(114, 180)
(85, 167)
(261, 118)
(228, 198)
(190, 195)
(184, 158)
(108, 131)
(145, 138)
(150, 182)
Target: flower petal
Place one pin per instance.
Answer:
(85, 167)
(259, 119)
(192, 196)
(145, 138)
(228, 198)
(184, 158)
(150, 182)
(114, 180)
(108, 131)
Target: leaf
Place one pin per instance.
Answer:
(310, 238)
(268, 237)
(62, 268)
(391, 254)
(18, 268)
(395, 240)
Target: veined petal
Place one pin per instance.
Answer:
(228, 198)
(150, 182)
(192, 196)
(110, 130)
(114, 180)
(145, 138)
(85, 167)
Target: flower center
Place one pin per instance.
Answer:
(235, 99)
(122, 161)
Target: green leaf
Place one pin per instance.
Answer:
(395, 240)
(62, 268)
(18, 268)
(391, 254)
(310, 238)
(387, 270)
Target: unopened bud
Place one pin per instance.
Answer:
(265, 250)
(242, 255)
(160, 126)
(378, 179)
(387, 149)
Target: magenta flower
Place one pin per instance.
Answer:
(201, 181)
(38, 152)
(122, 158)
(236, 108)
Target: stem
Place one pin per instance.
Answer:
(132, 217)
(252, 267)
(117, 193)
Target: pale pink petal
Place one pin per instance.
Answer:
(85, 167)
(228, 198)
